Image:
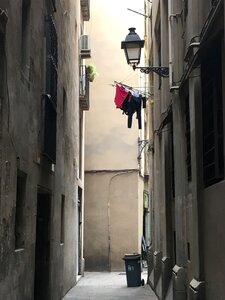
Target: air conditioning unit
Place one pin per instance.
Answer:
(85, 49)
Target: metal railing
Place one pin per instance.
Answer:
(84, 88)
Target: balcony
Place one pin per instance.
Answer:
(84, 88)
(85, 9)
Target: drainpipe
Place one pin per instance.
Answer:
(170, 44)
(179, 270)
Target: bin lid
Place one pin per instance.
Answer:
(130, 256)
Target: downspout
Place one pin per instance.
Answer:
(170, 44)
(179, 275)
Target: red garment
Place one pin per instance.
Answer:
(120, 96)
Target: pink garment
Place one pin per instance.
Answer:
(120, 96)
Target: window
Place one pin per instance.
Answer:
(54, 4)
(212, 107)
(80, 142)
(188, 138)
(188, 251)
(50, 97)
(0, 186)
(20, 213)
(158, 38)
(185, 8)
(25, 36)
(84, 88)
(2, 90)
(214, 2)
(172, 162)
(2, 77)
(62, 231)
(50, 117)
(51, 58)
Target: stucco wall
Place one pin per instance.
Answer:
(111, 219)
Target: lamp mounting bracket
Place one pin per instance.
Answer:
(161, 71)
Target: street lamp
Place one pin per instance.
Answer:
(132, 48)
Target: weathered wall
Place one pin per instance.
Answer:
(213, 240)
(21, 147)
(193, 241)
(111, 219)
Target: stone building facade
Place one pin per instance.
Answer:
(186, 258)
(41, 144)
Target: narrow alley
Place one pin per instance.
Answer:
(112, 149)
(108, 286)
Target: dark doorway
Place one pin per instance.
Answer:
(79, 230)
(42, 250)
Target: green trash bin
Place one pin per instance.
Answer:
(133, 269)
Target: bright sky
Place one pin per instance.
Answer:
(117, 11)
(107, 27)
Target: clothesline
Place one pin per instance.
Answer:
(130, 101)
(147, 94)
(132, 88)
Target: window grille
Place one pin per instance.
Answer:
(25, 43)
(212, 107)
(188, 138)
(51, 58)
(85, 9)
(158, 37)
(84, 88)
(50, 118)
(185, 8)
(214, 2)
(62, 229)
(172, 162)
(20, 210)
(50, 97)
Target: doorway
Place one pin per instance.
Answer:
(79, 226)
(42, 248)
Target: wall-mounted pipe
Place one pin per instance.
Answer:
(170, 44)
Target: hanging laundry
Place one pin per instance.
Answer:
(134, 107)
(130, 101)
(121, 95)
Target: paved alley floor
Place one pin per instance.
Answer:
(108, 286)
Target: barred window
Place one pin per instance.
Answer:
(25, 42)
(50, 99)
(185, 8)
(20, 210)
(188, 138)
(51, 58)
(158, 37)
(62, 229)
(214, 2)
(212, 106)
